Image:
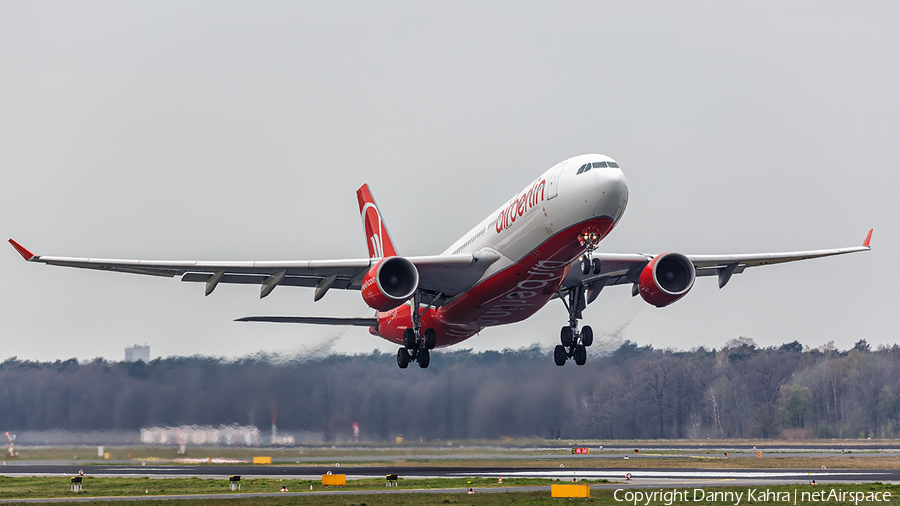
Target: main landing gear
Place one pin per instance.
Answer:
(416, 349)
(573, 343)
(415, 343)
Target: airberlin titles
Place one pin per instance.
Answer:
(529, 294)
(519, 206)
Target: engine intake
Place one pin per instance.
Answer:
(389, 283)
(667, 278)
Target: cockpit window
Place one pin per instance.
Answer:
(588, 166)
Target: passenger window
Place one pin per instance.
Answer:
(580, 170)
(614, 165)
(599, 164)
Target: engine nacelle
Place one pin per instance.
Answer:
(389, 283)
(667, 278)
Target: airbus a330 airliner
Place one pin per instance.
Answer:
(539, 245)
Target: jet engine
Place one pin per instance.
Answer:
(667, 278)
(389, 283)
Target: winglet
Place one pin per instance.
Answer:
(868, 239)
(27, 255)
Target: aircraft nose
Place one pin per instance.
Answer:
(611, 179)
(613, 188)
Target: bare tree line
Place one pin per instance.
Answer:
(635, 392)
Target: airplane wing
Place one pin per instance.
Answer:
(446, 274)
(620, 269)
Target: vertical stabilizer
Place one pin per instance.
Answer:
(377, 237)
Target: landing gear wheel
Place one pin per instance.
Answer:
(559, 355)
(424, 358)
(409, 338)
(566, 336)
(430, 339)
(580, 354)
(587, 335)
(403, 358)
(585, 266)
(595, 266)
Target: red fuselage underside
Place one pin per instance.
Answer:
(507, 296)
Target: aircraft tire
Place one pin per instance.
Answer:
(403, 358)
(424, 358)
(409, 338)
(566, 336)
(580, 355)
(430, 339)
(585, 267)
(559, 355)
(595, 266)
(587, 335)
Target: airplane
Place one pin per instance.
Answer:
(538, 246)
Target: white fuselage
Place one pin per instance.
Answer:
(536, 234)
(568, 199)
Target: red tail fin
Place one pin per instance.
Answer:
(377, 237)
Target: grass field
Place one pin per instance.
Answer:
(28, 487)
(601, 497)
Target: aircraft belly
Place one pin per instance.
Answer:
(521, 289)
(392, 324)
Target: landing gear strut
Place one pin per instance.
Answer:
(573, 343)
(416, 343)
(589, 264)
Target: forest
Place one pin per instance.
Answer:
(739, 391)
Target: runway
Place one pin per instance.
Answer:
(649, 477)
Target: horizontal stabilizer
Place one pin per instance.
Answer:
(315, 320)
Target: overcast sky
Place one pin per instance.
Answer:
(241, 130)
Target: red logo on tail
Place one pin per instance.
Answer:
(377, 237)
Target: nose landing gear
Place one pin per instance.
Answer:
(589, 240)
(573, 343)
